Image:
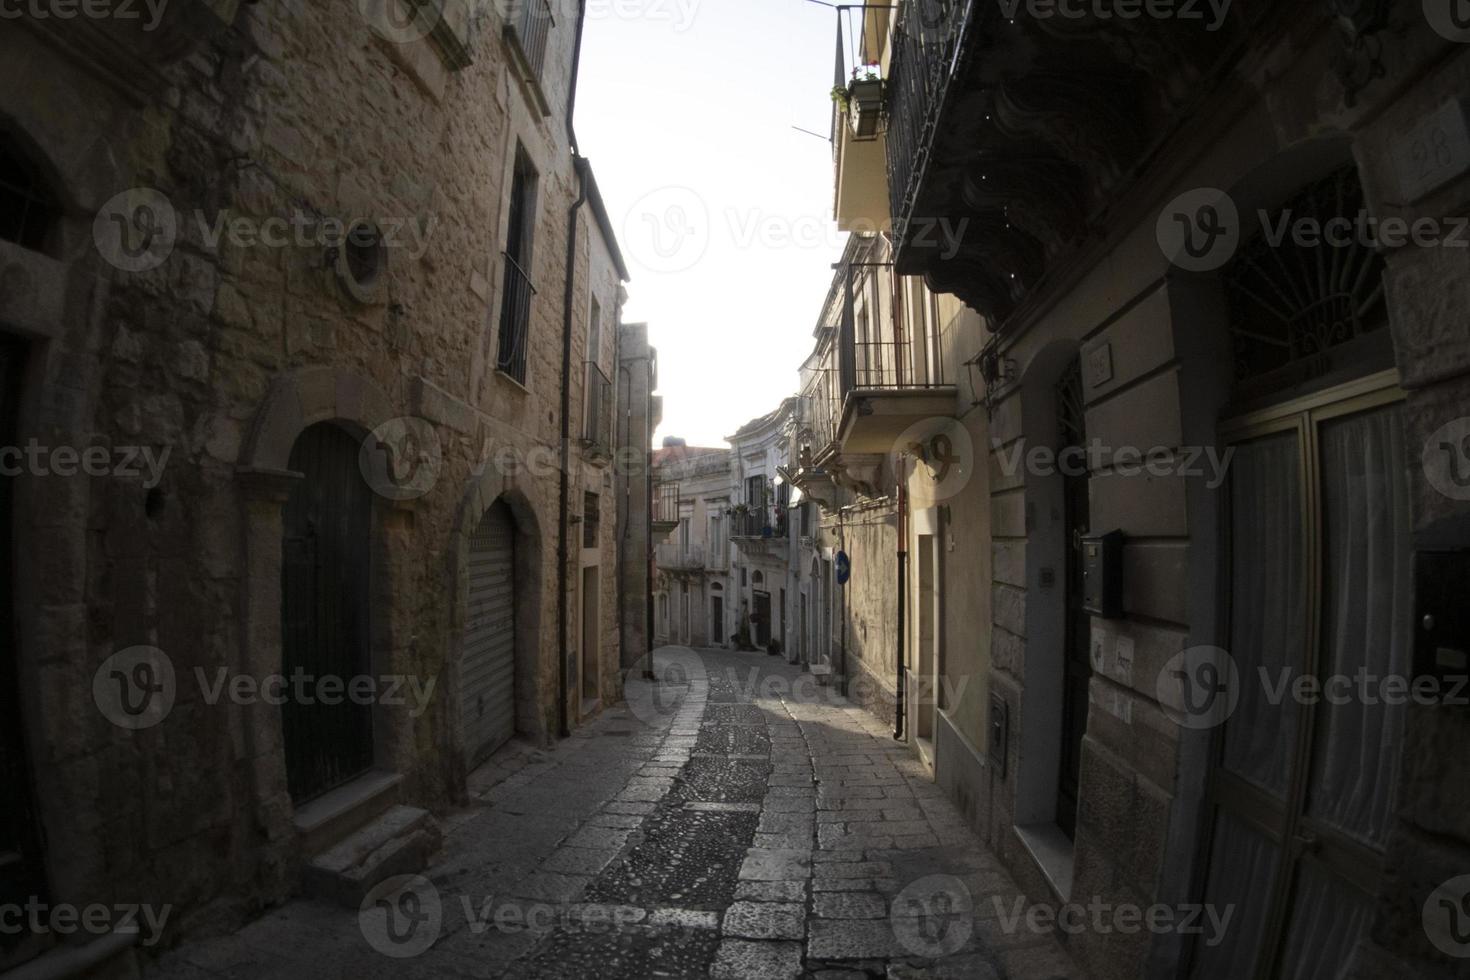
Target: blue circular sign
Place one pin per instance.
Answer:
(844, 568)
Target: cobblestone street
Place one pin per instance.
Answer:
(742, 824)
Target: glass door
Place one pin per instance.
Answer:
(1302, 790)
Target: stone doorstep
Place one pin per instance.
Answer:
(330, 819)
(400, 842)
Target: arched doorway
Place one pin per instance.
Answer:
(326, 573)
(487, 671)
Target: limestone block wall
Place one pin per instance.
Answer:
(222, 353)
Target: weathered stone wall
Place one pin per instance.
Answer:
(226, 350)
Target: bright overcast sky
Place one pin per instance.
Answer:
(723, 210)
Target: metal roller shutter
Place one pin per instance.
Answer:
(487, 677)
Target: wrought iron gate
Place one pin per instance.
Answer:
(325, 622)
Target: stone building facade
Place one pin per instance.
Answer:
(693, 585)
(365, 297)
(763, 531)
(1213, 368)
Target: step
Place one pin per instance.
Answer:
(325, 821)
(400, 842)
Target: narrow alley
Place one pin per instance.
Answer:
(734, 820)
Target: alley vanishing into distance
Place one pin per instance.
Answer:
(735, 820)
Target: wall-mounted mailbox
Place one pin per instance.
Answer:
(1442, 617)
(1102, 574)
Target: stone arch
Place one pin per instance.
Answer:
(295, 402)
(533, 718)
(302, 398)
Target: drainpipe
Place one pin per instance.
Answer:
(563, 548)
(903, 563)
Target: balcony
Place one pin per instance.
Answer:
(665, 508)
(597, 437)
(752, 524)
(887, 380)
(859, 121)
(527, 32)
(677, 558)
(515, 320)
(1007, 138)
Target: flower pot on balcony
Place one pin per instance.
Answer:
(865, 107)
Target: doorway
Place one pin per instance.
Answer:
(325, 603)
(1076, 662)
(591, 619)
(21, 868)
(717, 620)
(487, 671)
(761, 618)
(1301, 793)
(927, 688)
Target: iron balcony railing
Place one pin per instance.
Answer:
(926, 47)
(754, 523)
(528, 24)
(666, 503)
(597, 427)
(515, 320)
(680, 557)
(877, 348)
(819, 407)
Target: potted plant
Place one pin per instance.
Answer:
(862, 100)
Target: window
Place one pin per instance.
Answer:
(28, 210)
(591, 518)
(515, 305)
(594, 332)
(597, 422)
(529, 26)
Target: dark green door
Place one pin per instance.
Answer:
(326, 571)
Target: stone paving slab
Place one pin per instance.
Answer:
(725, 829)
